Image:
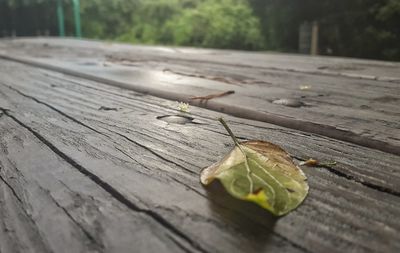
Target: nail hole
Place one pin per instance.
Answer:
(105, 108)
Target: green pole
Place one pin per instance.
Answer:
(77, 18)
(60, 15)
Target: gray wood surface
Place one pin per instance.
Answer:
(49, 206)
(357, 68)
(342, 101)
(121, 179)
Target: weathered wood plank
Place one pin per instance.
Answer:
(348, 67)
(49, 206)
(149, 192)
(378, 178)
(17, 231)
(155, 165)
(361, 111)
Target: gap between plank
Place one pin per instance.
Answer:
(108, 188)
(280, 120)
(331, 170)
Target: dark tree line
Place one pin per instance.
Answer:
(357, 28)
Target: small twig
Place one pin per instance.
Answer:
(211, 96)
(313, 162)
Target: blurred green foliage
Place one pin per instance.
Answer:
(207, 23)
(220, 24)
(359, 28)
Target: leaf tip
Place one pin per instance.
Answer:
(207, 174)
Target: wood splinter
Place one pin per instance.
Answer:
(211, 96)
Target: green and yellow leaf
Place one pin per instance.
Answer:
(260, 172)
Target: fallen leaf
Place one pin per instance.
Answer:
(259, 172)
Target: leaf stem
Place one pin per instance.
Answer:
(229, 131)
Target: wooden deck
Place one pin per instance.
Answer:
(86, 166)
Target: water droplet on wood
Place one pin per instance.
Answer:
(176, 119)
(288, 102)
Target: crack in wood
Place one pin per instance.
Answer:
(105, 135)
(177, 243)
(53, 108)
(153, 152)
(310, 216)
(130, 140)
(216, 203)
(40, 240)
(334, 171)
(96, 244)
(352, 178)
(237, 65)
(11, 189)
(110, 189)
(280, 120)
(219, 205)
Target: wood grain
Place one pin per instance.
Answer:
(149, 166)
(335, 66)
(49, 206)
(356, 109)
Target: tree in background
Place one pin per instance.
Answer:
(207, 23)
(385, 31)
(220, 24)
(357, 28)
(149, 19)
(106, 19)
(27, 17)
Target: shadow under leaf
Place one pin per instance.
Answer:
(252, 222)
